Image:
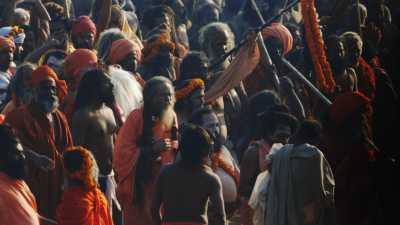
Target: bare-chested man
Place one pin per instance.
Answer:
(187, 204)
(222, 161)
(346, 78)
(94, 126)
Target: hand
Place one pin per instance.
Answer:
(162, 145)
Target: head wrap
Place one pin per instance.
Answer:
(6, 43)
(121, 48)
(44, 73)
(77, 61)
(83, 24)
(279, 31)
(15, 32)
(346, 104)
(152, 47)
(23, 15)
(86, 171)
(190, 86)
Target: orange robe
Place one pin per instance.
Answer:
(83, 207)
(127, 154)
(17, 203)
(34, 130)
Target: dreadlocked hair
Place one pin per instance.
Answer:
(145, 163)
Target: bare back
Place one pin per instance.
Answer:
(185, 194)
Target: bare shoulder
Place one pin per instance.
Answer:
(211, 177)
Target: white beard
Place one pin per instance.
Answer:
(167, 116)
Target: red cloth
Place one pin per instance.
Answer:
(127, 154)
(2, 118)
(76, 63)
(279, 31)
(45, 73)
(83, 25)
(366, 79)
(121, 48)
(36, 132)
(6, 43)
(17, 203)
(83, 207)
(345, 104)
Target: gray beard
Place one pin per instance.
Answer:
(49, 106)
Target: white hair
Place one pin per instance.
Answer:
(105, 41)
(207, 32)
(349, 36)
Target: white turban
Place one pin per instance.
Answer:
(18, 39)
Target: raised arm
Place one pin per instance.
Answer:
(101, 14)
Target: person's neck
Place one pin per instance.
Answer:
(338, 71)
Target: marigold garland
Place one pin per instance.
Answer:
(218, 162)
(193, 84)
(15, 30)
(85, 173)
(316, 46)
(152, 48)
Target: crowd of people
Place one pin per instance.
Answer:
(195, 112)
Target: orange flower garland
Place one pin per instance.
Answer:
(316, 46)
(15, 30)
(217, 162)
(85, 173)
(152, 48)
(184, 92)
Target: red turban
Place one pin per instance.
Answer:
(279, 31)
(346, 104)
(83, 24)
(78, 61)
(6, 43)
(121, 48)
(44, 73)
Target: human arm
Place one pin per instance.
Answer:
(101, 14)
(217, 201)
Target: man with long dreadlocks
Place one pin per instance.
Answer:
(145, 143)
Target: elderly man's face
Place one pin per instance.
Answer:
(83, 40)
(336, 54)
(353, 52)
(6, 57)
(130, 63)
(219, 44)
(46, 95)
(211, 124)
(163, 97)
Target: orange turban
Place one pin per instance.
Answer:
(83, 24)
(192, 85)
(346, 104)
(121, 48)
(152, 48)
(6, 43)
(279, 31)
(78, 60)
(44, 73)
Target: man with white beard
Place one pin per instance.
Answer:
(146, 142)
(43, 128)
